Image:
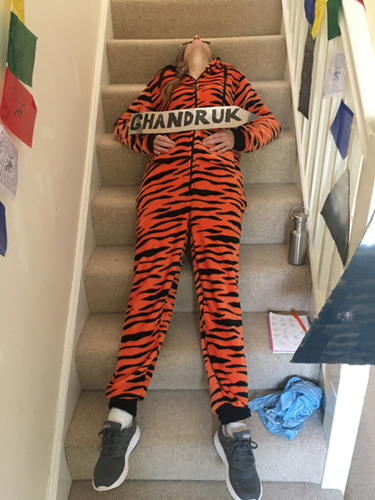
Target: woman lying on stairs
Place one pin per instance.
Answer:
(192, 188)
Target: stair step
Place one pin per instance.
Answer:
(267, 281)
(117, 98)
(199, 490)
(186, 19)
(266, 220)
(177, 429)
(120, 166)
(267, 61)
(180, 365)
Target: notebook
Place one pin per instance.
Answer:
(286, 333)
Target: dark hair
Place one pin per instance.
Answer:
(181, 69)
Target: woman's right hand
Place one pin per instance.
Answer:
(162, 144)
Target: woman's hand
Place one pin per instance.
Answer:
(162, 144)
(223, 141)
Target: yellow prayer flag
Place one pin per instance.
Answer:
(320, 7)
(18, 7)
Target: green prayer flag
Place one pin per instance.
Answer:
(21, 50)
(333, 12)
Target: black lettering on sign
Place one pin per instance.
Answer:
(231, 114)
(136, 121)
(175, 119)
(159, 122)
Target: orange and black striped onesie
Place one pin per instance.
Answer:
(190, 191)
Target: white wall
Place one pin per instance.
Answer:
(36, 273)
(370, 11)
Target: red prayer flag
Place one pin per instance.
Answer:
(18, 109)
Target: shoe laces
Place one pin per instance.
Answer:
(113, 442)
(242, 453)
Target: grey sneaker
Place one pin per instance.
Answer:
(112, 466)
(236, 452)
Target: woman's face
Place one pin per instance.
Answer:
(197, 47)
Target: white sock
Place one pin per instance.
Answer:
(240, 425)
(121, 417)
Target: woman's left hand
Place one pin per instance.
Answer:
(222, 141)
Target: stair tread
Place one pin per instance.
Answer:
(199, 490)
(108, 276)
(183, 449)
(185, 19)
(180, 365)
(267, 60)
(120, 165)
(266, 220)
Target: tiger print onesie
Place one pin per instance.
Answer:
(190, 191)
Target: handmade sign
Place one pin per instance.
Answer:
(180, 120)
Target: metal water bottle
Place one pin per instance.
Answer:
(298, 237)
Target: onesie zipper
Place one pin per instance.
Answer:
(193, 140)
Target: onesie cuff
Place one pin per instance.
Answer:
(239, 139)
(150, 142)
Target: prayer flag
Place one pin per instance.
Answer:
(341, 128)
(8, 164)
(18, 7)
(310, 11)
(336, 214)
(333, 12)
(21, 50)
(3, 231)
(320, 7)
(18, 109)
(305, 91)
(335, 79)
(343, 331)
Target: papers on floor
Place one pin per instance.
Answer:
(286, 333)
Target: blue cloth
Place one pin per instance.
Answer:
(284, 412)
(310, 11)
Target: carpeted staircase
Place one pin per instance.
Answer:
(175, 458)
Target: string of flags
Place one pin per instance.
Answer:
(336, 207)
(17, 109)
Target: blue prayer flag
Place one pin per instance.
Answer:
(310, 11)
(341, 128)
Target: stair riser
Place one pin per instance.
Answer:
(266, 220)
(117, 98)
(267, 282)
(185, 19)
(198, 490)
(120, 166)
(180, 365)
(259, 58)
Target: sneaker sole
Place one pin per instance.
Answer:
(223, 457)
(132, 444)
